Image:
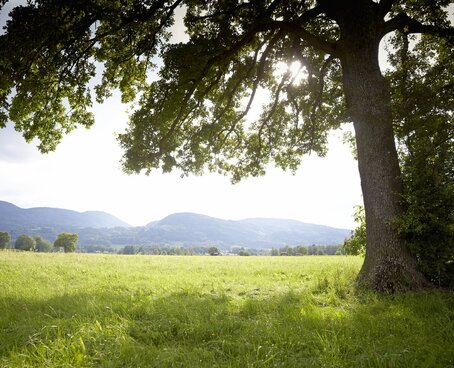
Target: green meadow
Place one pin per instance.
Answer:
(80, 310)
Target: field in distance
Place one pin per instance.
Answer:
(70, 310)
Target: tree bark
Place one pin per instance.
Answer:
(388, 265)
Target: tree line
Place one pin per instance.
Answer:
(312, 250)
(299, 250)
(65, 241)
(68, 242)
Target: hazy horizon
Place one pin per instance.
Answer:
(170, 214)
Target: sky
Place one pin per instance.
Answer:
(84, 173)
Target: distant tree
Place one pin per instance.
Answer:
(4, 240)
(356, 244)
(312, 250)
(244, 253)
(67, 241)
(274, 252)
(340, 251)
(25, 242)
(213, 251)
(284, 251)
(300, 250)
(128, 249)
(96, 248)
(42, 245)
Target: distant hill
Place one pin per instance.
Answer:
(197, 229)
(13, 217)
(184, 229)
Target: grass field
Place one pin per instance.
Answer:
(78, 310)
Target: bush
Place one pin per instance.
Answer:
(424, 126)
(356, 244)
(428, 224)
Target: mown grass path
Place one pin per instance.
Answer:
(79, 310)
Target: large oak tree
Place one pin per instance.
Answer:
(194, 115)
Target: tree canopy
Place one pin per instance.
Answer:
(213, 251)
(193, 116)
(25, 242)
(42, 245)
(67, 241)
(4, 240)
(317, 61)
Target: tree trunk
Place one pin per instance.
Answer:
(388, 265)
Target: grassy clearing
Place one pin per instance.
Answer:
(67, 310)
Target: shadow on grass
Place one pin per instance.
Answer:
(140, 329)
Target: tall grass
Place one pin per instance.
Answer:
(78, 310)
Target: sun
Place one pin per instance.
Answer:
(296, 71)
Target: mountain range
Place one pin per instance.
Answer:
(12, 216)
(185, 229)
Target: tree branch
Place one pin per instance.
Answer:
(193, 18)
(385, 6)
(259, 74)
(310, 14)
(319, 97)
(249, 35)
(408, 25)
(309, 38)
(271, 8)
(260, 71)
